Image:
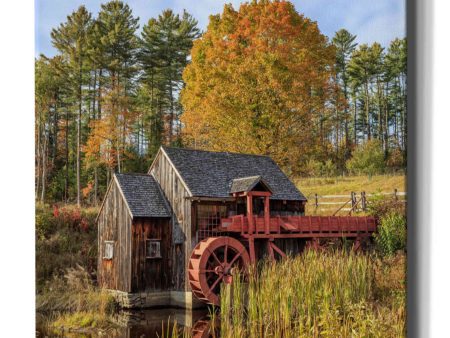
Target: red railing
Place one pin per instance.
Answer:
(299, 224)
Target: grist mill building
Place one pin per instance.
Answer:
(148, 224)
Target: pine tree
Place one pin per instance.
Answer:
(115, 29)
(70, 38)
(345, 45)
(166, 45)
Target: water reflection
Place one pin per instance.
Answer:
(147, 324)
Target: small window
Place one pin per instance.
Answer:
(109, 250)
(153, 248)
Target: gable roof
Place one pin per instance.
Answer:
(246, 184)
(143, 195)
(211, 174)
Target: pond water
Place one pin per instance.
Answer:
(144, 323)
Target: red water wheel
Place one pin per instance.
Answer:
(214, 261)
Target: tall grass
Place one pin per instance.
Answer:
(330, 294)
(73, 302)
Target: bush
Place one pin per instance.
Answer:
(396, 158)
(391, 234)
(329, 168)
(44, 221)
(381, 207)
(367, 159)
(312, 168)
(65, 237)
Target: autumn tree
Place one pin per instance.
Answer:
(115, 32)
(258, 83)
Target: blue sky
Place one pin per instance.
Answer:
(370, 20)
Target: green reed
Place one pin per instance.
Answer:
(326, 294)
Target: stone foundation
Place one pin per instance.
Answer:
(141, 300)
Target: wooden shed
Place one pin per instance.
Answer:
(149, 223)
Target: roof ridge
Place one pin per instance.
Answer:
(247, 177)
(133, 174)
(217, 152)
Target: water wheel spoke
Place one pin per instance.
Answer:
(215, 257)
(213, 286)
(235, 258)
(225, 255)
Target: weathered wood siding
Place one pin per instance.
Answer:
(151, 274)
(114, 224)
(176, 194)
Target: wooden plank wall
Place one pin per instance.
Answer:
(182, 240)
(114, 224)
(151, 274)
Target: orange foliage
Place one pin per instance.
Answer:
(259, 82)
(87, 189)
(109, 135)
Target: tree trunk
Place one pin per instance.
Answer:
(346, 118)
(366, 88)
(355, 115)
(79, 139)
(171, 119)
(44, 167)
(99, 99)
(95, 185)
(66, 183)
(38, 157)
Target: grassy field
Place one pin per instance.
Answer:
(344, 185)
(347, 184)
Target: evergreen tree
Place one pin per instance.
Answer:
(345, 45)
(115, 32)
(70, 38)
(166, 45)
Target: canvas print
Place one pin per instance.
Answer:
(214, 169)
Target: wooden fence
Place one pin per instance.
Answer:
(354, 202)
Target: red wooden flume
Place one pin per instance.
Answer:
(214, 260)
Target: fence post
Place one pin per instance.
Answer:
(353, 198)
(363, 200)
(317, 201)
(395, 195)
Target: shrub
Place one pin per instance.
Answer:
(328, 168)
(313, 168)
(396, 158)
(367, 159)
(65, 237)
(391, 234)
(44, 221)
(381, 207)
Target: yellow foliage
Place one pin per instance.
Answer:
(258, 83)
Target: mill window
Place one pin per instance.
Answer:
(153, 248)
(109, 250)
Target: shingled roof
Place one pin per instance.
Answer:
(245, 184)
(211, 174)
(143, 195)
